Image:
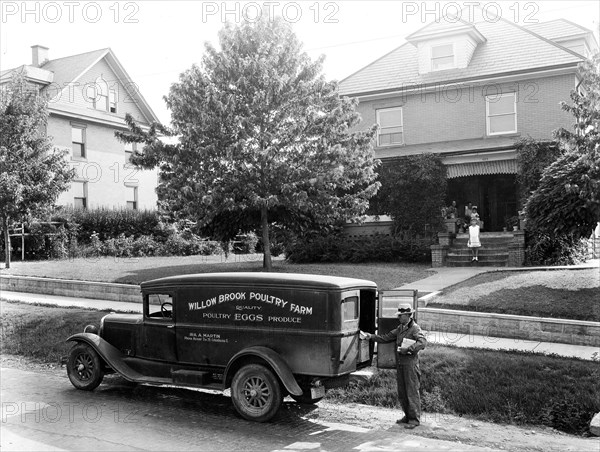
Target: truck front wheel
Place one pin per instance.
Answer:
(256, 393)
(84, 367)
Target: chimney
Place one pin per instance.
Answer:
(39, 55)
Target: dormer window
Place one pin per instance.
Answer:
(449, 46)
(442, 57)
(101, 96)
(112, 101)
(101, 99)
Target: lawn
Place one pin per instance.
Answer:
(567, 294)
(137, 270)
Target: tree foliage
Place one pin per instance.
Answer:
(32, 173)
(567, 200)
(263, 138)
(533, 157)
(412, 192)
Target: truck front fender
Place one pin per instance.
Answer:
(111, 355)
(273, 359)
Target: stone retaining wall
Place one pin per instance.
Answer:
(71, 288)
(510, 326)
(432, 319)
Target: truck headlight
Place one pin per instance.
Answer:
(91, 329)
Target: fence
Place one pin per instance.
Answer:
(18, 230)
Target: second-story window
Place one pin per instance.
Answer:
(501, 113)
(130, 148)
(78, 141)
(442, 57)
(390, 129)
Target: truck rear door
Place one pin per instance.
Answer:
(387, 320)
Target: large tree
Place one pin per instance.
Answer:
(567, 200)
(32, 172)
(262, 138)
(412, 193)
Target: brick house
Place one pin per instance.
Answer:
(467, 91)
(89, 95)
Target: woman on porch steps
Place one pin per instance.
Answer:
(474, 242)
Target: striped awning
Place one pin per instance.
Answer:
(482, 168)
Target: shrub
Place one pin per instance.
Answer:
(433, 401)
(110, 223)
(145, 246)
(245, 243)
(122, 246)
(178, 245)
(545, 249)
(568, 414)
(337, 247)
(59, 244)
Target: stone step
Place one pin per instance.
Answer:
(479, 263)
(482, 257)
(482, 252)
(462, 241)
(487, 245)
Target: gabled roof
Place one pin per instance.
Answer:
(68, 70)
(559, 28)
(72, 68)
(508, 49)
(443, 28)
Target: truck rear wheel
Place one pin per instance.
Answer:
(84, 367)
(256, 393)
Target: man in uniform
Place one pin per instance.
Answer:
(408, 373)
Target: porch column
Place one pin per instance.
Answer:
(516, 249)
(439, 252)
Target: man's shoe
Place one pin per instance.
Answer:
(412, 424)
(404, 420)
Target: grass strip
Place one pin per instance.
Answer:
(498, 386)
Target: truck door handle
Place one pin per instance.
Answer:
(170, 326)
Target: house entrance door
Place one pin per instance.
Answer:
(494, 195)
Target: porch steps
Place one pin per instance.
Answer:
(493, 251)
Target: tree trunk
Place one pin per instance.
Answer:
(6, 243)
(267, 263)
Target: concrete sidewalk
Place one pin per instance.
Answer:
(446, 277)
(437, 337)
